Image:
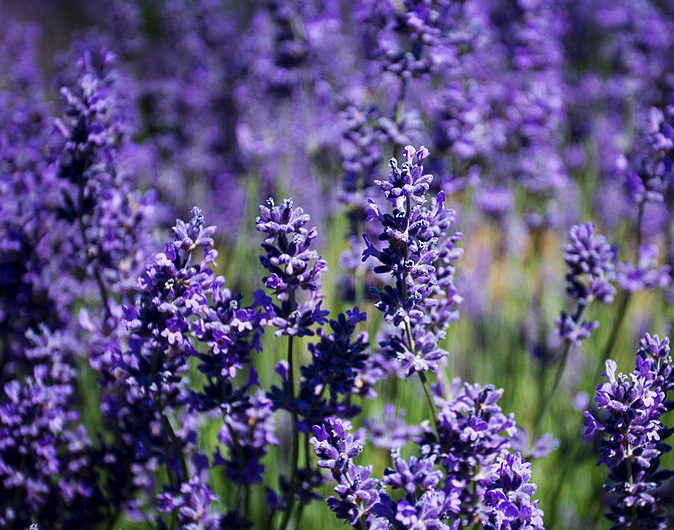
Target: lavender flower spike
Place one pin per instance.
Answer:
(336, 449)
(508, 497)
(590, 262)
(293, 267)
(418, 253)
(632, 406)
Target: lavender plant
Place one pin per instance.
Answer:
(635, 435)
(140, 389)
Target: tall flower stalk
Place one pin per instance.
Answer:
(294, 275)
(418, 254)
(632, 435)
(590, 270)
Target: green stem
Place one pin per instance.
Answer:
(613, 337)
(422, 376)
(246, 501)
(168, 428)
(548, 398)
(425, 385)
(295, 440)
(577, 318)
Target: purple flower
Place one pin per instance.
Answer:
(47, 462)
(330, 379)
(590, 269)
(590, 262)
(192, 506)
(471, 436)
(508, 497)
(336, 448)
(410, 475)
(391, 431)
(632, 405)
(294, 268)
(248, 431)
(419, 255)
(646, 274)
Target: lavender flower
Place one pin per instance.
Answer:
(416, 473)
(646, 273)
(590, 262)
(293, 267)
(635, 434)
(330, 379)
(184, 311)
(172, 289)
(192, 505)
(46, 458)
(247, 433)
(472, 435)
(336, 449)
(508, 497)
(391, 431)
(419, 256)
(649, 170)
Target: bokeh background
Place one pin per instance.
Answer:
(533, 111)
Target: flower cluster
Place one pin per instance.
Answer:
(46, 458)
(419, 256)
(336, 449)
(136, 382)
(648, 173)
(192, 506)
(508, 497)
(336, 362)
(465, 473)
(293, 267)
(471, 436)
(634, 434)
(172, 289)
(247, 433)
(590, 270)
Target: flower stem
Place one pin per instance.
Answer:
(422, 376)
(166, 425)
(578, 318)
(548, 398)
(425, 385)
(617, 323)
(295, 440)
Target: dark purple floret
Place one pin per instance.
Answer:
(336, 448)
(295, 269)
(418, 253)
(632, 407)
(508, 497)
(247, 433)
(329, 381)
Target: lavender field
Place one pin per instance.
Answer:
(315, 264)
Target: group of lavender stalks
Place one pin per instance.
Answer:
(161, 374)
(184, 412)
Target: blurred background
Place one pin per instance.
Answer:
(538, 114)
